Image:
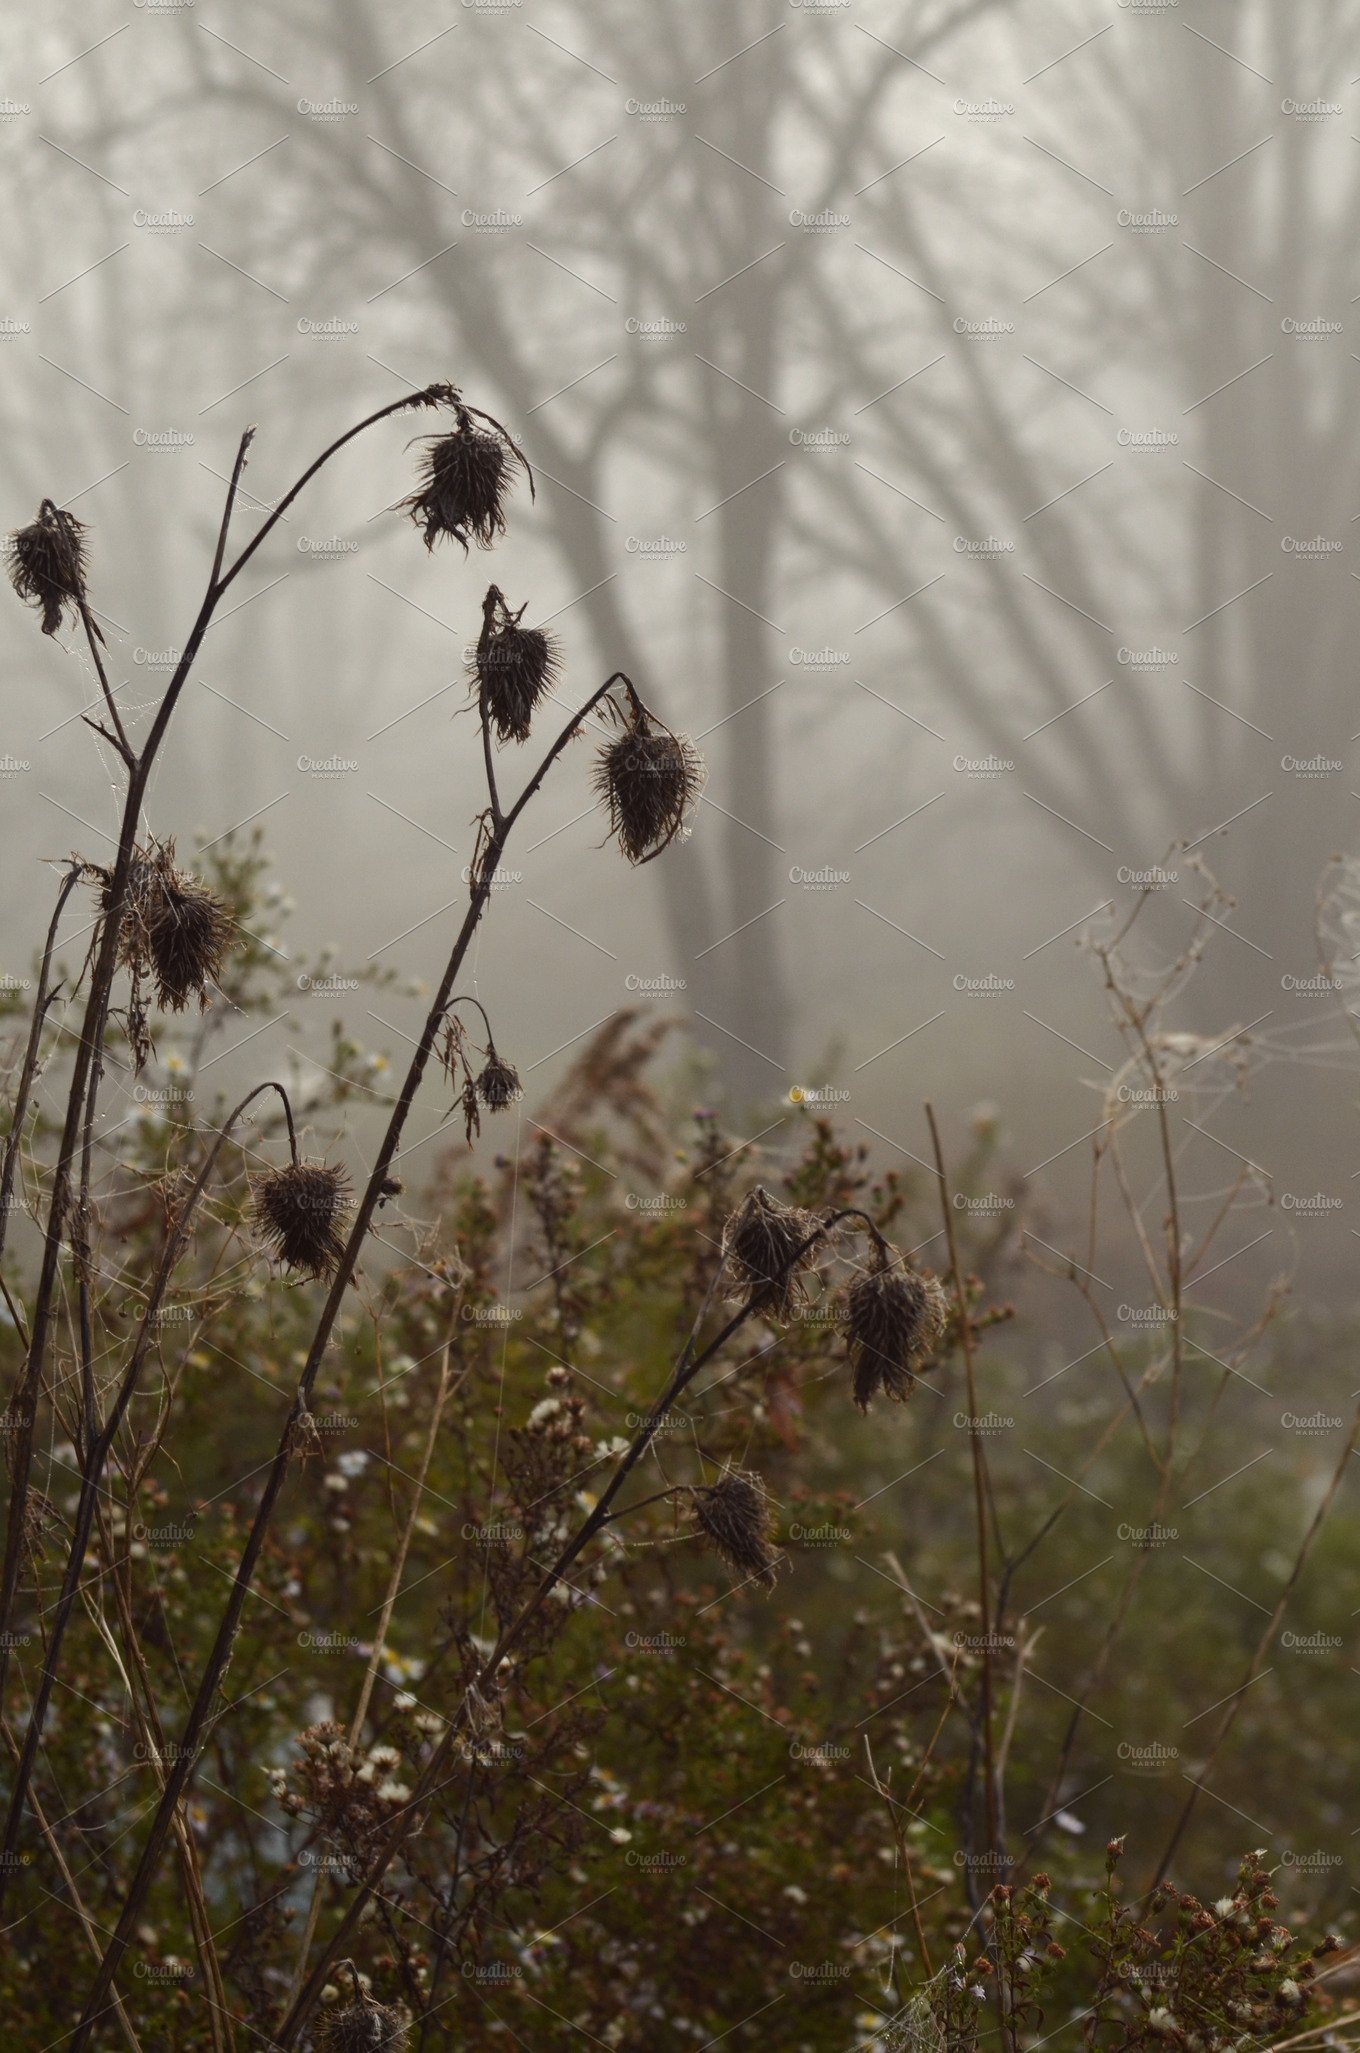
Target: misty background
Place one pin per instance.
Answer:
(946, 414)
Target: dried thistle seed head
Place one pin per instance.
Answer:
(894, 1322)
(298, 1210)
(190, 932)
(514, 666)
(47, 564)
(464, 480)
(174, 927)
(763, 1245)
(364, 2026)
(734, 1516)
(650, 780)
(498, 1084)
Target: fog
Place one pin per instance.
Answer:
(944, 414)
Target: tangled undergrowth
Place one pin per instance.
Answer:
(615, 1592)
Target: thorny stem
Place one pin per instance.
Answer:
(191, 1737)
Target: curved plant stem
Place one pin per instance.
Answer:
(201, 1709)
(105, 965)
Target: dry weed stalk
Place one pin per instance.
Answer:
(1165, 1067)
(172, 937)
(156, 920)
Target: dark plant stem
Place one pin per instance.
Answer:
(205, 1697)
(89, 1044)
(428, 1784)
(467, 999)
(81, 1250)
(42, 1003)
(489, 604)
(93, 1467)
(119, 735)
(979, 1488)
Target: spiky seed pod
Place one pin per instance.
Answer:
(734, 1516)
(514, 666)
(364, 2026)
(498, 1084)
(894, 1322)
(464, 479)
(47, 564)
(298, 1211)
(649, 779)
(763, 1245)
(174, 927)
(189, 932)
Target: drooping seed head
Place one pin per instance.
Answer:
(894, 1322)
(734, 1516)
(498, 1084)
(190, 933)
(298, 1210)
(650, 780)
(47, 564)
(514, 666)
(173, 927)
(764, 1245)
(465, 477)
